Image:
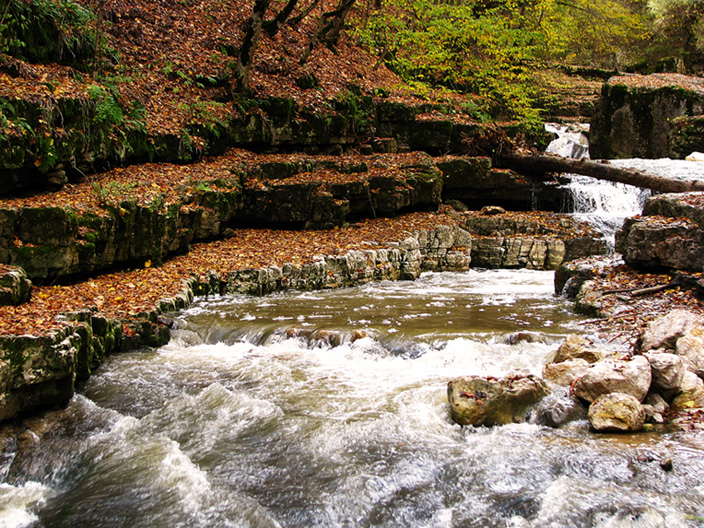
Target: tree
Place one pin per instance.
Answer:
(245, 57)
(680, 24)
(329, 27)
(273, 26)
(494, 47)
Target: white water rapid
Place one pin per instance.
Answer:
(329, 409)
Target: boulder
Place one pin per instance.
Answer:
(476, 400)
(691, 348)
(681, 332)
(15, 287)
(567, 372)
(667, 371)
(616, 413)
(691, 393)
(665, 332)
(577, 347)
(629, 377)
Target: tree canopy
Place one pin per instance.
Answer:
(493, 46)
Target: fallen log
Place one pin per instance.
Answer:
(540, 163)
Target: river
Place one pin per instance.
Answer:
(329, 409)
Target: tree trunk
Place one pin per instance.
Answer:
(273, 26)
(253, 30)
(331, 23)
(601, 171)
(307, 11)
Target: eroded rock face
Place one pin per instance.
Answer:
(655, 242)
(477, 401)
(15, 287)
(635, 115)
(616, 413)
(628, 377)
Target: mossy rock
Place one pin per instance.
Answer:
(15, 287)
(686, 136)
(635, 115)
(430, 136)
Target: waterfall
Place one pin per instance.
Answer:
(605, 205)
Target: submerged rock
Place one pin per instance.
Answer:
(616, 413)
(556, 410)
(524, 337)
(476, 400)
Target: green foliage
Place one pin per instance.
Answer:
(107, 109)
(209, 115)
(48, 31)
(605, 33)
(679, 26)
(492, 48)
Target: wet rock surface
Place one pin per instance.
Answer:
(616, 412)
(481, 401)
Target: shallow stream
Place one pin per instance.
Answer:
(329, 409)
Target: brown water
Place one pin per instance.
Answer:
(251, 418)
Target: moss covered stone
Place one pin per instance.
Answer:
(635, 115)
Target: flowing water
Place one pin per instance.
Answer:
(329, 409)
(605, 204)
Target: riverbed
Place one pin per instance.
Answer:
(329, 409)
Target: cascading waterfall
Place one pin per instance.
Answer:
(603, 204)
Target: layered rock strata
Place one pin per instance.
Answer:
(40, 371)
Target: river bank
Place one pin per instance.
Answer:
(66, 331)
